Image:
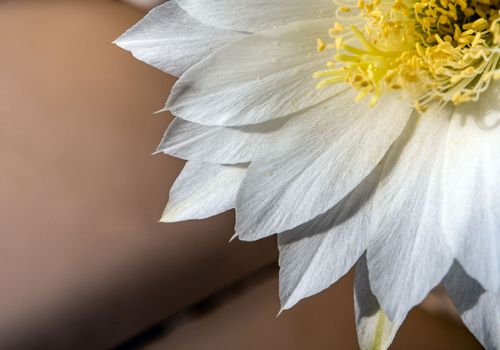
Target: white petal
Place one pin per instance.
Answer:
(374, 329)
(171, 40)
(203, 190)
(471, 186)
(252, 16)
(309, 170)
(408, 255)
(262, 77)
(480, 310)
(218, 144)
(315, 255)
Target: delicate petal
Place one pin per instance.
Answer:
(480, 310)
(257, 15)
(262, 77)
(315, 255)
(471, 187)
(171, 40)
(408, 255)
(218, 144)
(308, 171)
(375, 330)
(203, 190)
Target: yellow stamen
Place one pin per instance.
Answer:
(427, 50)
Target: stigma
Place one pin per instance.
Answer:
(444, 51)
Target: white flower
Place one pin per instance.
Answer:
(410, 195)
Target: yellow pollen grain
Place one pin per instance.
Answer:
(320, 45)
(336, 29)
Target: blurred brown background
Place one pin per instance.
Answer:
(84, 262)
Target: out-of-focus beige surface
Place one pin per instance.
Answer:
(247, 322)
(83, 261)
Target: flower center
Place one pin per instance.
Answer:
(429, 51)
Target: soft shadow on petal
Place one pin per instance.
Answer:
(315, 255)
(408, 255)
(219, 144)
(471, 188)
(374, 329)
(479, 309)
(307, 172)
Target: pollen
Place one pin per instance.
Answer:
(320, 45)
(428, 51)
